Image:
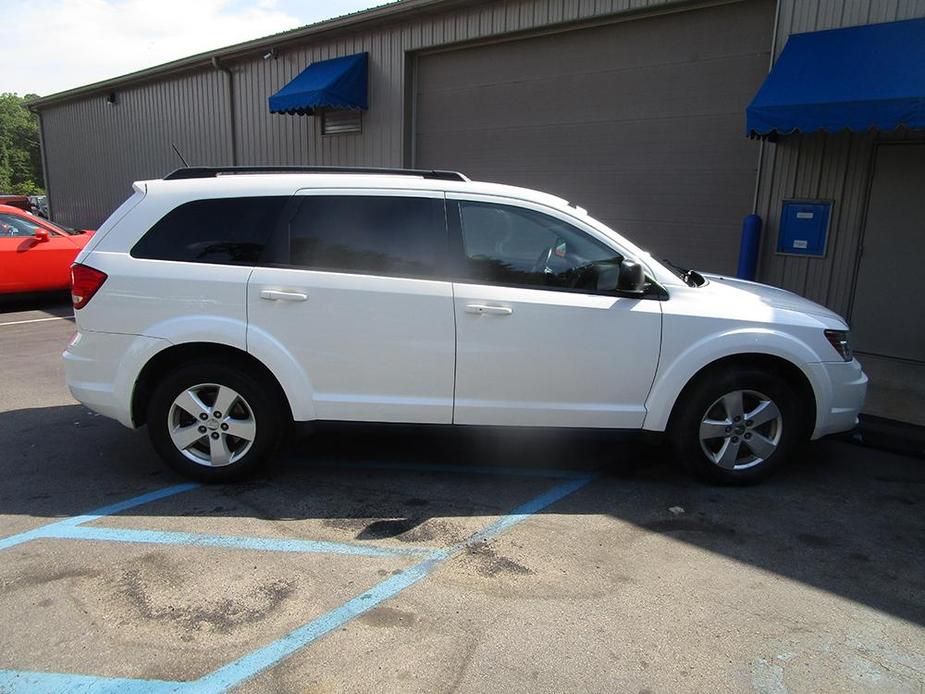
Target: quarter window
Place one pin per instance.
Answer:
(229, 231)
(510, 245)
(375, 235)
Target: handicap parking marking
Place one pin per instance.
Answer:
(245, 668)
(50, 530)
(55, 683)
(259, 544)
(251, 664)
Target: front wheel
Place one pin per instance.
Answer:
(737, 427)
(214, 422)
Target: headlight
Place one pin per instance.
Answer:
(839, 340)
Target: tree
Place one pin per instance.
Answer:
(20, 156)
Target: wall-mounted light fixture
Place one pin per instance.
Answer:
(271, 53)
(111, 98)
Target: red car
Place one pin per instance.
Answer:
(36, 255)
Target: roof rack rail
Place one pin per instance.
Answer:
(214, 171)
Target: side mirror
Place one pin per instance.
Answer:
(632, 277)
(41, 235)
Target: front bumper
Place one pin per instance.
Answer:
(840, 391)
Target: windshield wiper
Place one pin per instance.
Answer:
(689, 277)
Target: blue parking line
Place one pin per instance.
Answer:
(237, 671)
(524, 511)
(51, 529)
(504, 471)
(250, 665)
(253, 663)
(260, 544)
(54, 683)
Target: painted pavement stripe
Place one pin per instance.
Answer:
(248, 666)
(52, 528)
(260, 544)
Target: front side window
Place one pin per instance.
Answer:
(231, 231)
(509, 245)
(16, 227)
(373, 235)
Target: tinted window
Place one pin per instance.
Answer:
(221, 230)
(374, 235)
(513, 246)
(11, 225)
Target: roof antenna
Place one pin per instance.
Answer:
(179, 155)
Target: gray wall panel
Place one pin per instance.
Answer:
(95, 151)
(639, 121)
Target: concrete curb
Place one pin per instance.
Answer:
(889, 435)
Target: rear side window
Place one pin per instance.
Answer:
(372, 235)
(221, 230)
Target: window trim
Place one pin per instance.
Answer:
(457, 262)
(281, 235)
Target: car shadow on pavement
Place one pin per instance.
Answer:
(52, 303)
(843, 519)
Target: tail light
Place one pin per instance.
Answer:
(85, 282)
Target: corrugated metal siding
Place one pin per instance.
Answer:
(818, 166)
(640, 122)
(95, 151)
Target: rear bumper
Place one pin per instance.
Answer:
(840, 389)
(101, 370)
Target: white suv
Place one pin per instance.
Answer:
(219, 305)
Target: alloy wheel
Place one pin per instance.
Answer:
(740, 430)
(211, 424)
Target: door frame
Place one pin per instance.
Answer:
(862, 234)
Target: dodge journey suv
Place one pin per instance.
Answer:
(217, 306)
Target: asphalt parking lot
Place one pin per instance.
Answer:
(375, 559)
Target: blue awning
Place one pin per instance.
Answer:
(339, 83)
(857, 78)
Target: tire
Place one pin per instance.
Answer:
(705, 436)
(230, 445)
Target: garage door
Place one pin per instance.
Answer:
(641, 122)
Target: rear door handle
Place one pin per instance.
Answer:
(485, 308)
(277, 295)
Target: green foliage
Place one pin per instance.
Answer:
(20, 157)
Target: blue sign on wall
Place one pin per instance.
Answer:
(804, 227)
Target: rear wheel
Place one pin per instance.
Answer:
(738, 426)
(214, 422)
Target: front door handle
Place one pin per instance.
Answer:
(493, 310)
(277, 295)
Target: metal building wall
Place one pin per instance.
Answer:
(94, 151)
(819, 166)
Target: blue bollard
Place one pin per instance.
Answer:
(749, 248)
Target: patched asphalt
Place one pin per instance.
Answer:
(638, 579)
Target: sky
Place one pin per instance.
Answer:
(53, 45)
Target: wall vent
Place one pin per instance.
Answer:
(341, 122)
